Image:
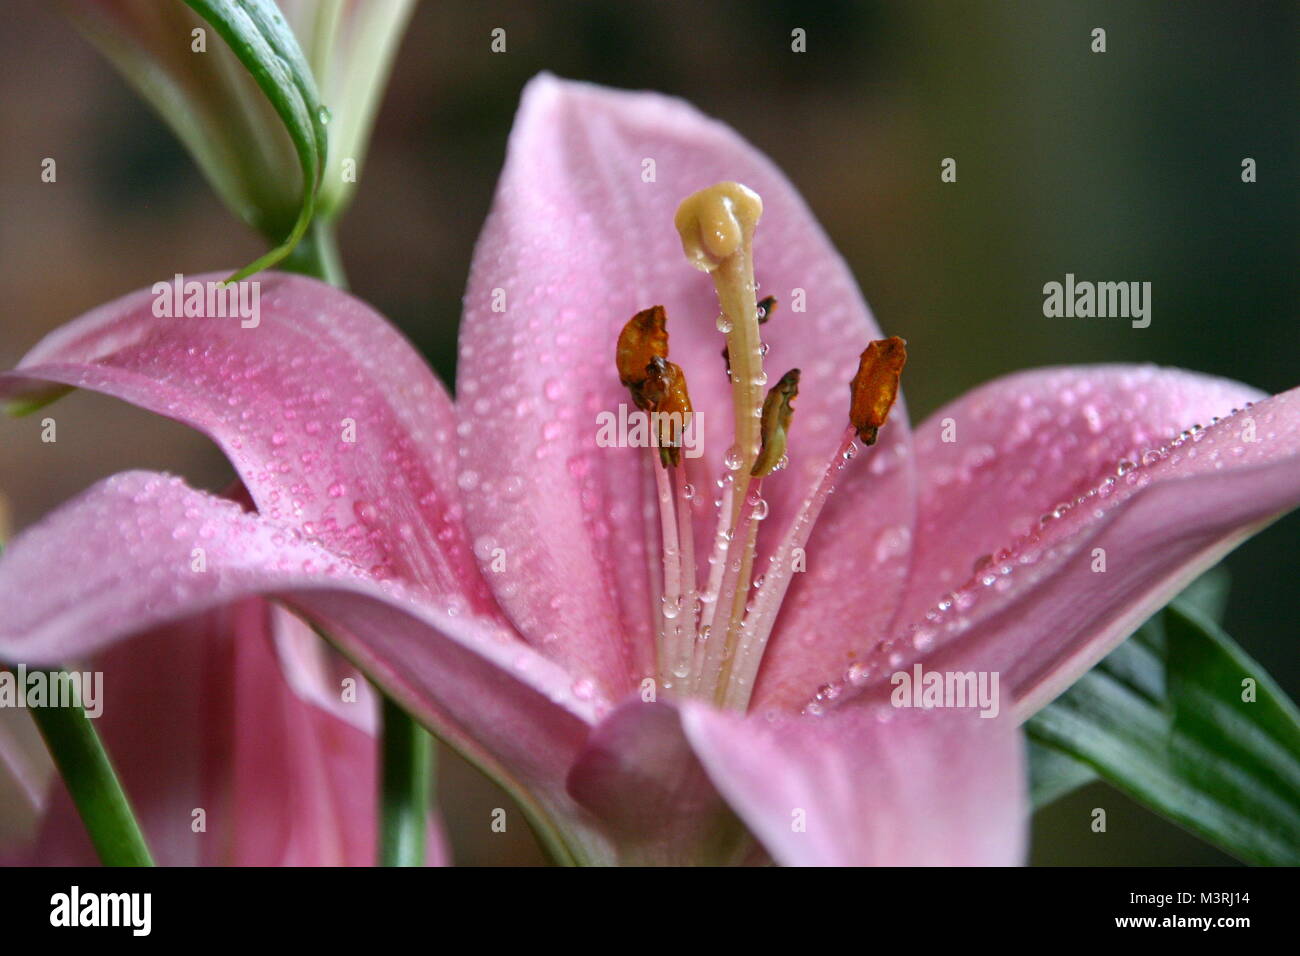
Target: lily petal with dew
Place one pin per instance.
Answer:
(527, 593)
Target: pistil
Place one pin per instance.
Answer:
(716, 226)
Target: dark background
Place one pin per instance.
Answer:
(1119, 166)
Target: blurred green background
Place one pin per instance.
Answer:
(1120, 166)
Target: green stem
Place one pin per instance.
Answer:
(406, 788)
(93, 784)
(317, 255)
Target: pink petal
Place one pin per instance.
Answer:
(639, 777)
(197, 716)
(577, 243)
(117, 561)
(275, 398)
(316, 672)
(872, 787)
(1038, 612)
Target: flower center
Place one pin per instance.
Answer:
(711, 638)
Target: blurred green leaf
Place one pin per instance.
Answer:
(1185, 722)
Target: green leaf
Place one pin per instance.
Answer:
(257, 33)
(1208, 594)
(1053, 774)
(1167, 719)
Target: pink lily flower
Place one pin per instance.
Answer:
(526, 592)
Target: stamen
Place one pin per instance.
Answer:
(775, 422)
(732, 595)
(658, 388)
(718, 557)
(875, 386)
(672, 593)
(644, 338)
(758, 624)
(874, 389)
(690, 590)
(711, 642)
(655, 571)
(666, 398)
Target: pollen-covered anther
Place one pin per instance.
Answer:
(875, 386)
(669, 404)
(777, 412)
(644, 338)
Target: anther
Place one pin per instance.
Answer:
(644, 338)
(777, 412)
(875, 386)
(664, 392)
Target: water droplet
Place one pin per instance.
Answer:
(724, 323)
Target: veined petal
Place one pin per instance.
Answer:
(121, 559)
(1062, 584)
(580, 238)
(282, 398)
(871, 786)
